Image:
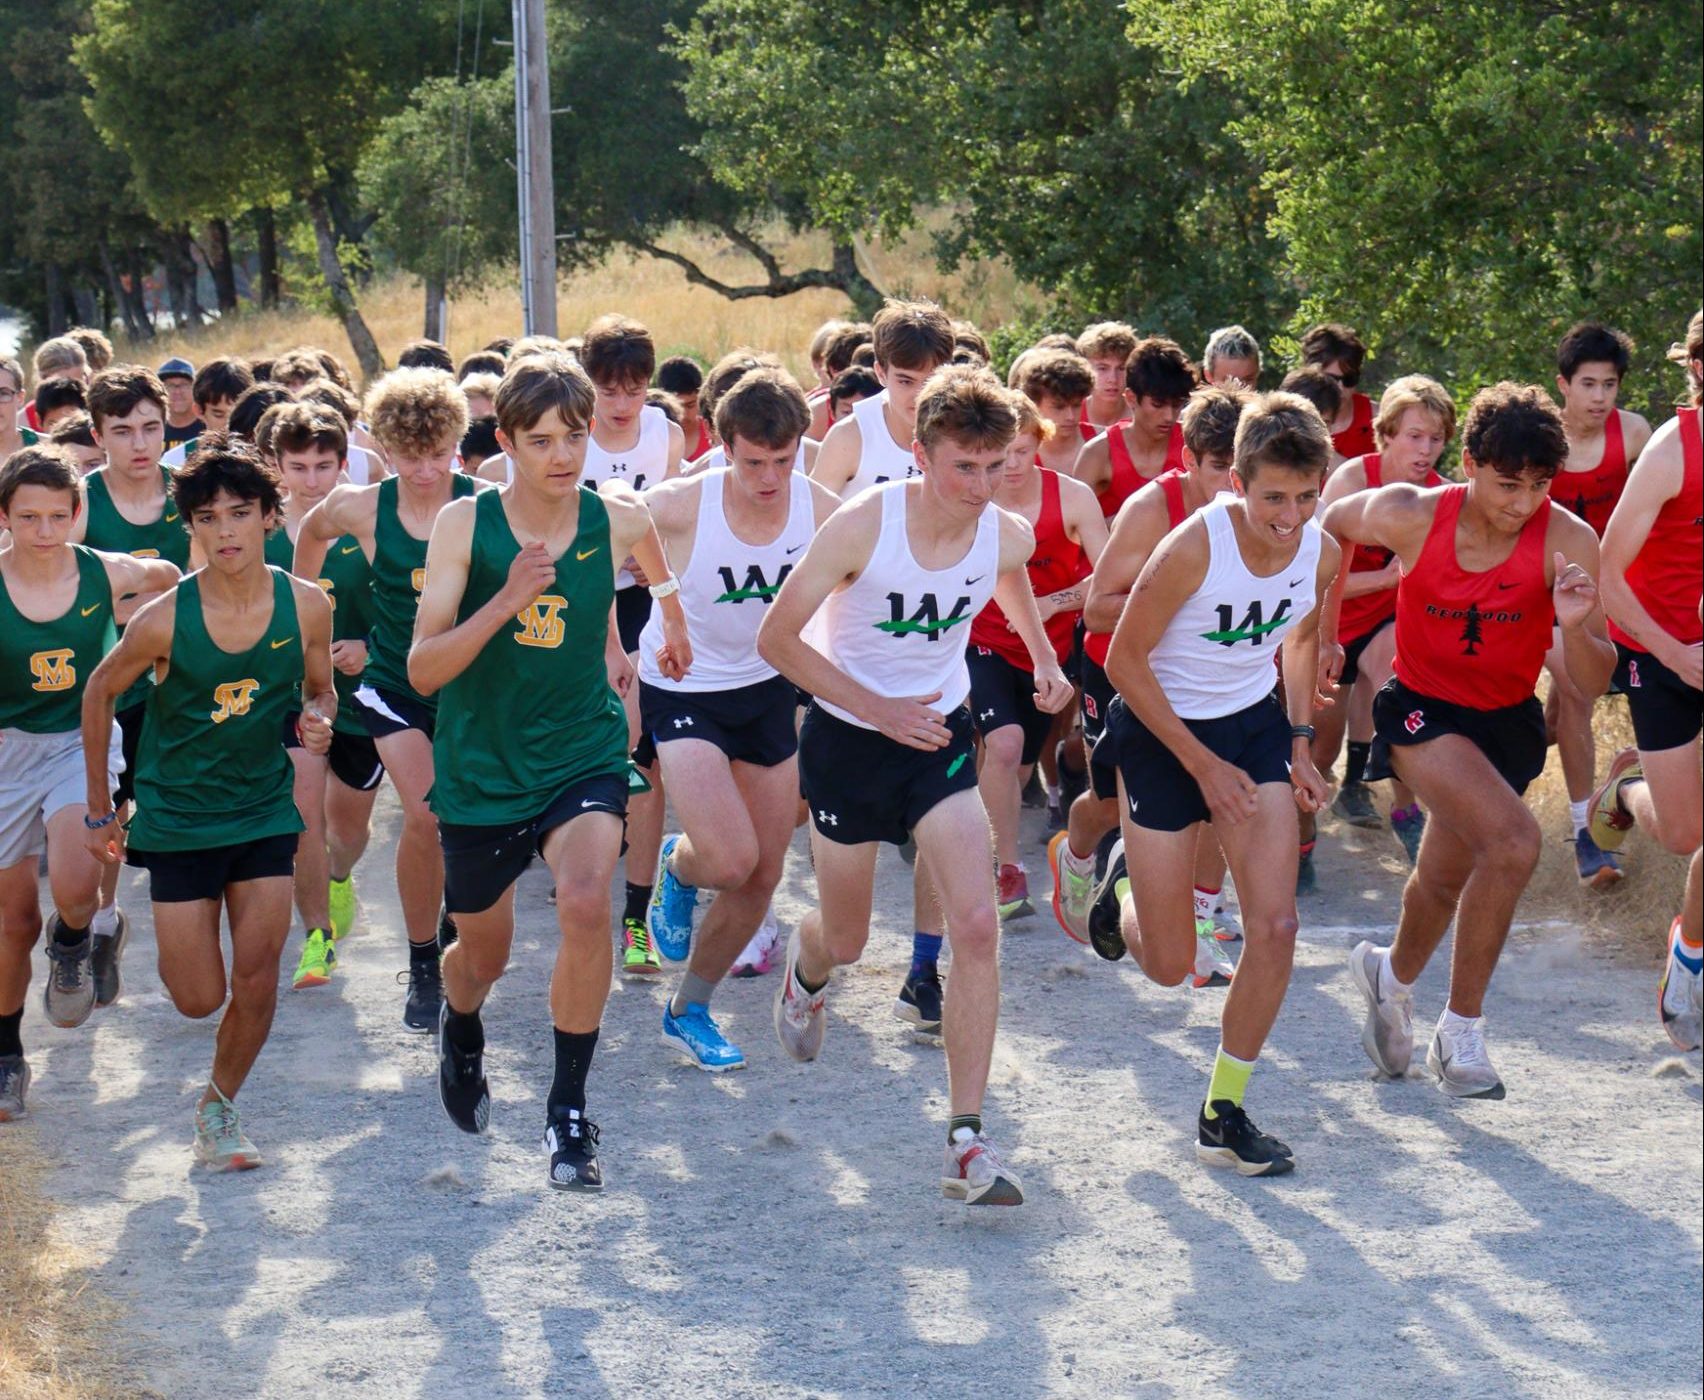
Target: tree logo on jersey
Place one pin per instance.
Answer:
(926, 619)
(541, 625)
(418, 579)
(1253, 627)
(233, 698)
(1471, 634)
(756, 588)
(53, 670)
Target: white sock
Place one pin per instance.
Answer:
(1204, 901)
(1388, 980)
(1449, 1021)
(105, 922)
(1083, 865)
(1579, 813)
(1052, 791)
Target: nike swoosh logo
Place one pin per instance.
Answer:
(349, 549)
(977, 579)
(1214, 1134)
(587, 555)
(172, 518)
(282, 642)
(795, 549)
(93, 607)
(1502, 586)
(591, 802)
(1295, 581)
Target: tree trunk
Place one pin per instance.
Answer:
(120, 301)
(435, 309)
(54, 289)
(342, 296)
(180, 279)
(85, 305)
(865, 295)
(136, 290)
(266, 224)
(219, 262)
(350, 227)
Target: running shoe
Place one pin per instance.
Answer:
(1461, 1064)
(342, 907)
(104, 961)
(1307, 878)
(14, 1087)
(425, 999)
(1409, 827)
(319, 956)
(1212, 967)
(919, 1002)
(1354, 804)
(1073, 887)
(1388, 1035)
(1230, 1139)
(764, 953)
(973, 1173)
(695, 1033)
(801, 1017)
(1597, 867)
(1678, 1001)
(1610, 821)
(1012, 893)
(461, 1082)
(638, 957)
(572, 1141)
(1056, 817)
(70, 992)
(1225, 928)
(672, 902)
(1106, 911)
(220, 1142)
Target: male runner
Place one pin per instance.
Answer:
(1106, 345)
(1058, 383)
(57, 605)
(1232, 357)
(417, 416)
(234, 648)
(886, 744)
(182, 421)
(76, 435)
(1653, 575)
(1486, 570)
(1199, 734)
(217, 386)
(513, 637)
(682, 378)
(725, 733)
(1158, 380)
(1603, 442)
(1341, 354)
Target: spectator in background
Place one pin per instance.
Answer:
(182, 421)
(217, 386)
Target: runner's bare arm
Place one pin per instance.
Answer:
(1094, 465)
(1302, 677)
(313, 612)
(1013, 594)
(677, 450)
(1655, 481)
(494, 469)
(631, 530)
(1348, 479)
(1586, 648)
(146, 641)
(347, 510)
(1083, 519)
(837, 458)
(1137, 528)
(136, 582)
(442, 647)
(1635, 434)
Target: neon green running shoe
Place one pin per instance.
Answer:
(638, 954)
(342, 907)
(219, 1139)
(319, 956)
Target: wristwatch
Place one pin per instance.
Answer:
(668, 586)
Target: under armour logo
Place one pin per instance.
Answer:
(1415, 722)
(683, 722)
(985, 714)
(828, 819)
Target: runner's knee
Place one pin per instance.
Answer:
(1004, 748)
(729, 863)
(196, 1000)
(582, 904)
(974, 932)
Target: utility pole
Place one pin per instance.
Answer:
(534, 169)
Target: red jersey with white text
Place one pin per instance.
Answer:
(1357, 439)
(1126, 480)
(1366, 612)
(1667, 575)
(1058, 562)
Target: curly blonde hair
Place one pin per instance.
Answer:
(417, 412)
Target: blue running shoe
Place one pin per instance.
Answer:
(695, 1031)
(672, 901)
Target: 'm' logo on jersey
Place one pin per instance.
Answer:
(418, 579)
(53, 670)
(540, 624)
(233, 698)
(926, 618)
(330, 590)
(1253, 627)
(756, 588)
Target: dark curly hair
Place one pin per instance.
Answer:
(225, 462)
(1515, 429)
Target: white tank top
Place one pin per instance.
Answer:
(717, 458)
(725, 589)
(899, 629)
(880, 458)
(644, 464)
(1216, 656)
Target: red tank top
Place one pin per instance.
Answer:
(702, 446)
(1366, 612)
(1097, 644)
(1667, 575)
(1058, 562)
(1126, 481)
(1088, 430)
(1357, 439)
(1474, 639)
(1592, 495)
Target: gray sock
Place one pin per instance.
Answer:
(693, 988)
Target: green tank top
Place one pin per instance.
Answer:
(347, 579)
(281, 549)
(44, 665)
(534, 713)
(399, 573)
(162, 538)
(211, 769)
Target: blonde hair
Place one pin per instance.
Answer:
(60, 353)
(1107, 339)
(416, 412)
(1030, 419)
(1413, 391)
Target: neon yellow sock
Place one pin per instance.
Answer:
(1229, 1081)
(1121, 888)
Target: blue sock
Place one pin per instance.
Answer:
(1689, 960)
(925, 950)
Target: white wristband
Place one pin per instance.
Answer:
(668, 586)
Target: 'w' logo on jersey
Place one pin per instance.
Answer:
(53, 670)
(540, 624)
(756, 588)
(233, 698)
(1253, 627)
(926, 618)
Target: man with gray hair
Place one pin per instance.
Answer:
(1232, 358)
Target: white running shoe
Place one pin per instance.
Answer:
(973, 1173)
(1678, 999)
(801, 1017)
(1212, 967)
(763, 954)
(1461, 1063)
(1388, 1036)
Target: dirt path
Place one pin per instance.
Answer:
(780, 1231)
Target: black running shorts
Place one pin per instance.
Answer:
(1352, 654)
(480, 862)
(179, 877)
(386, 712)
(750, 724)
(1003, 694)
(1098, 696)
(863, 786)
(632, 612)
(1163, 795)
(354, 758)
(1666, 711)
(129, 738)
(1512, 738)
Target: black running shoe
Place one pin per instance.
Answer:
(108, 952)
(425, 996)
(572, 1141)
(1106, 932)
(447, 930)
(461, 1082)
(919, 1002)
(1232, 1140)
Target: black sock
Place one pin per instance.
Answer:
(10, 1041)
(464, 1030)
(1356, 767)
(446, 931)
(421, 953)
(973, 1121)
(573, 1060)
(67, 937)
(638, 901)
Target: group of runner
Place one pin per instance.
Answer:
(884, 606)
